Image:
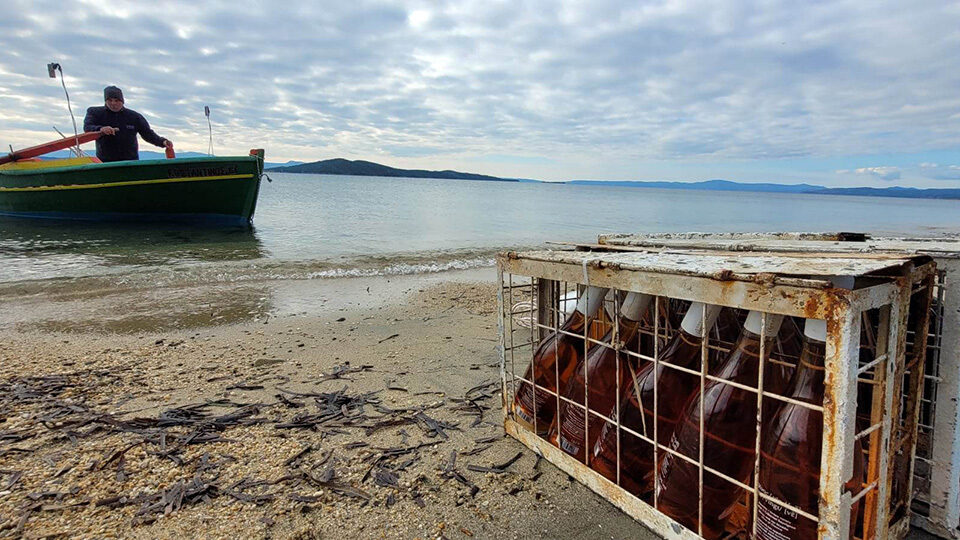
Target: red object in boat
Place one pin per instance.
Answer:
(169, 152)
(51, 146)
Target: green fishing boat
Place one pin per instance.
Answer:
(210, 190)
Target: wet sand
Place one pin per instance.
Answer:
(427, 345)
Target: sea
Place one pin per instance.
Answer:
(316, 227)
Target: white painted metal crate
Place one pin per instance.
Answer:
(535, 285)
(936, 466)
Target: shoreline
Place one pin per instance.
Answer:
(413, 345)
(113, 310)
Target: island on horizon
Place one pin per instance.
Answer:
(340, 166)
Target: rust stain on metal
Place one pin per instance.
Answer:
(835, 303)
(723, 275)
(765, 278)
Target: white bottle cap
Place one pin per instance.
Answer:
(635, 305)
(755, 318)
(815, 329)
(591, 300)
(693, 321)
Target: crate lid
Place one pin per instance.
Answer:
(744, 266)
(840, 242)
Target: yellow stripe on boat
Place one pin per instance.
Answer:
(129, 183)
(47, 164)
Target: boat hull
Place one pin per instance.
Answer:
(215, 190)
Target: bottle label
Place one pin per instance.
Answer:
(568, 447)
(544, 407)
(775, 522)
(526, 418)
(572, 430)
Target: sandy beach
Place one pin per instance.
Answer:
(363, 408)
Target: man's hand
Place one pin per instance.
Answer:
(168, 143)
(107, 130)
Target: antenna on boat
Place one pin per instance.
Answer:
(73, 149)
(206, 112)
(52, 69)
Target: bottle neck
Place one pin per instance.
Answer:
(590, 301)
(635, 306)
(809, 384)
(750, 341)
(587, 306)
(743, 362)
(575, 323)
(683, 350)
(627, 329)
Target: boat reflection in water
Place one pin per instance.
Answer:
(132, 278)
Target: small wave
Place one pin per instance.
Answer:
(405, 269)
(143, 277)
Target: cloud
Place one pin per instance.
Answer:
(883, 173)
(579, 84)
(940, 172)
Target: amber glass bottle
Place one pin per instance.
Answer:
(601, 321)
(790, 450)
(730, 417)
(599, 371)
(636, 405)
(558, 353)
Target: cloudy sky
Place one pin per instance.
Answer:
(834, 93)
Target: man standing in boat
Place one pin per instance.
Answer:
(120, 127)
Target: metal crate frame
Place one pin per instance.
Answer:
(770, 293)
(936, 508)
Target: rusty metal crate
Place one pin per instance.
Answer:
(936, 465)
(533, 287)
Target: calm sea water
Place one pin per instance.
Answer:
(316, 226)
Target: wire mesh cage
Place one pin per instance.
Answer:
(721, 395)
(935, 467)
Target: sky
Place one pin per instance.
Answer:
(846, 93)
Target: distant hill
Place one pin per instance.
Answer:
(726, 185)
(368, 168)
(909, 193)
(710, 185)
(268, 165)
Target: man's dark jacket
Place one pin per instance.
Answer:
(122, 145)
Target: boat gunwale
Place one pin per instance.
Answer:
(125, 164)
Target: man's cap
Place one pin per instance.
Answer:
(112, 92)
